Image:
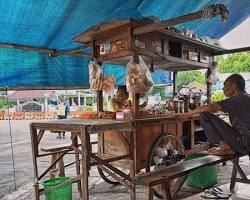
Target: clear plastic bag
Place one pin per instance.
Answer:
(95, 76)
(213, 78)
(108, 83)
(99, 82)
(138, 77)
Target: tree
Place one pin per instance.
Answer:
(234, 63)
(4, 105)
(159, 90)
(184, 78)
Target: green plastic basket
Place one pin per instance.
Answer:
(58, 188)
(204, 177)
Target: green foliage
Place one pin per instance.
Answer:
(218, 96)
(184, 78)
(89, 101)
(40, 100)
(159, 90)
(89, 109)
(234, 63)
(4, 105)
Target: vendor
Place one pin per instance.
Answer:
(234, 138)
(120, 101)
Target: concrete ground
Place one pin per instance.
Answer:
(241, 192)
(24, 169)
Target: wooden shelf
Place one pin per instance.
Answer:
(187, 40)
(169, 63)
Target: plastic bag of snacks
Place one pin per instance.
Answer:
(108, 83)
(97, 81)
(95, 76)
(138, 77)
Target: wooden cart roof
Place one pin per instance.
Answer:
(97, 31)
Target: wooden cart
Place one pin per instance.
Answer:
(166, 49)
(160, 47)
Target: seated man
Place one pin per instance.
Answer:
(120, 101)
(230, 138)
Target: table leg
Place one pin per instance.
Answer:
(85, 141)
(34, 144)
(233, 178)
(78, 169)
(166, 191)
(149, 193)
(132, 165)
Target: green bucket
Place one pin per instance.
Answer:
(204, 177)
(58, 188)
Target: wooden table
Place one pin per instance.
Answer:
(80, 131)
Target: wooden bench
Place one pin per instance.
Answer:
(181, 170)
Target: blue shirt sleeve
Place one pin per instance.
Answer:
(53, 102)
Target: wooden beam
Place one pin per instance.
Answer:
(164, 24)
(17, 88)
(228, 51)
(207, 12)
(50, 52)
(68, 52)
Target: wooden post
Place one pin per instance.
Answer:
(233, 178)
(132, 163)
(149, 193)
(34, 146)
(135, 105)
(174, 83)
(99, 101)
(166, 191)
(99, 94)
(85, 141)
(78, 167)
(209, 86)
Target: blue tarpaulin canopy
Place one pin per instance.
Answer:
(52, 24)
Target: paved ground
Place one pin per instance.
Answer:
(24, 169)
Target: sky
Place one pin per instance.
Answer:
(238, 37)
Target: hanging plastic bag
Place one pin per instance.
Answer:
(95, 76)
(99, 82)
(213, 78)
(138, 77)
(108, 84)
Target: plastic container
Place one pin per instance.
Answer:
(204, 177)
(58, 188)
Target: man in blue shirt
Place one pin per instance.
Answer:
(63, 110)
